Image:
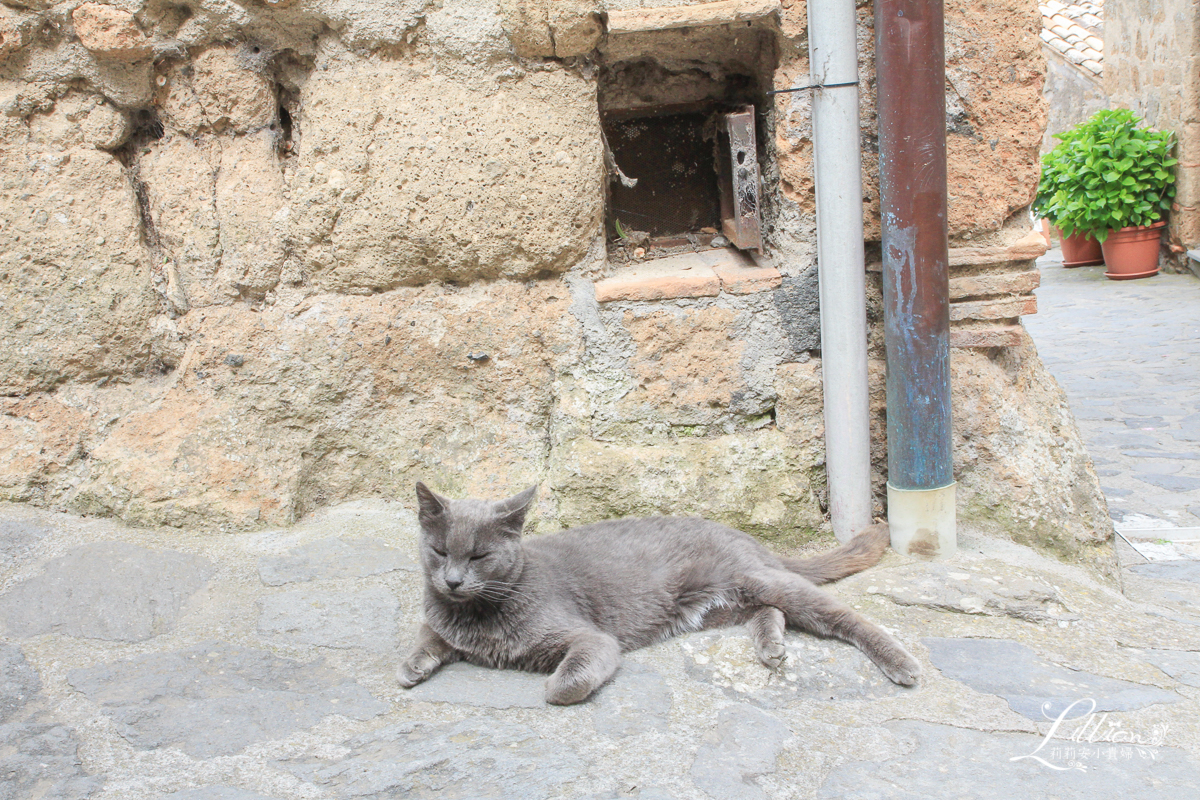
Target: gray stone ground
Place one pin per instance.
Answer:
(1127, 353)
(205, 666)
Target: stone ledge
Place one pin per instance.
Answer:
(1008, 308)
(702, 274)
(726, 12)
(740, 275)
(1003, 336)
(996, 284)
(1029, 248)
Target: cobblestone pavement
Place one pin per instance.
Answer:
(1127, 353)
(213, 666)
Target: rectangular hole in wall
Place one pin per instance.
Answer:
(679, 110)
(671, 156)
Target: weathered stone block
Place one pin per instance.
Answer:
(341, 396)
(800, 409)
(1016, 448)
(691, 370)
(105, 127)
(757, 482)
(40, 439)
(405, 175)
(575, 26)
(743, 278)
(994, 284)
(987, 336)
(798, 301)
(527, 25)
(110, 32)
(74, 279)
(468, 31)
(221, 90)
(722, 12)
(249, 194)
(552, 28)
(10, 36)
(993, 309)
(179, 174)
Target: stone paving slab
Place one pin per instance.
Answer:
(216, 698)
(979, 766)
(105, 590)
(274, 678)
(1032, 686)
(1170, 570)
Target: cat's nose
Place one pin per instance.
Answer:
(453, 585)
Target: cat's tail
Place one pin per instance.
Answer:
(863, 551)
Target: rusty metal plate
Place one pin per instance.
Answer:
(740, 194)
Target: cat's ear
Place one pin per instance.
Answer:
(430, 505)
(511, 512)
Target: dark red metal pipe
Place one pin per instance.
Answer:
(911, 74)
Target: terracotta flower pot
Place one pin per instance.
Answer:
(1133, 252)
(1080, 250)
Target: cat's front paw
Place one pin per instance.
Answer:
(411, 672)
(563, 693)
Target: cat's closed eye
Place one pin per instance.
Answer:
(478, 556)
(438, 552)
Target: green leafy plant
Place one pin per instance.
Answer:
(1108, 173)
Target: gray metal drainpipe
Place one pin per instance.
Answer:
(837, 163)
(911, 74)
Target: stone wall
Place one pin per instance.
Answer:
(1072, 94)
(261, 257)
(1152, 65)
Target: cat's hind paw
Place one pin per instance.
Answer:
(902, 668)
(771, 654)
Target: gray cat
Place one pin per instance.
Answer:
(570, 603)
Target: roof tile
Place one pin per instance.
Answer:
(1075, 29)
